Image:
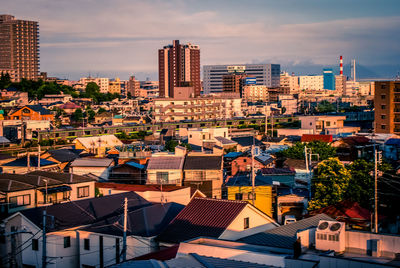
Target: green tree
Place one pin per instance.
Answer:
(330, 182)
(323, 149)
(77, 115)
(326, 107)
(90, 114)
(170, 145)
(5, 80)
(361, 185)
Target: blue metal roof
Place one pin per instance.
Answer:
(393, 142)
(233, 154)
(135, 165)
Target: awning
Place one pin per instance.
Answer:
(58, 189)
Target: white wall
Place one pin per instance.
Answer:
(101, 172)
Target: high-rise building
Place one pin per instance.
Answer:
(311, 82)
(290, 81)
(19, 49)
(179, 66)
(387, 107)
(266, 75)
(329, 79)
(133, 87)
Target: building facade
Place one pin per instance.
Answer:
(387, 107)
(254, 93)
(266, 74)
(290, 81)
(311, 82)
(329, 79)
(179, 66)
(19, 51)
(103, 83)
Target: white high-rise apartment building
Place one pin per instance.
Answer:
(311, 82)
(266, 75)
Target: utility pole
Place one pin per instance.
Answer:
(125, 223)
(44, 249)
(306, 157)
(252, 173)
(376, 190)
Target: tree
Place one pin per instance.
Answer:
(5, 80)
(361, 185)
(330, 182)
(170, 145)
(325, 107)
(77, 115)
(90, 114)
(323, 149)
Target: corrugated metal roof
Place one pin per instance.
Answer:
(166, 162)
(316, 137)
(104, 141)
(92, 162)
(203, 163)
(202, 217)
(284, 236)
(135, 165)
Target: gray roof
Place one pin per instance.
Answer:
(225, 141)
(166, 162)
(285, 235)
(92, 162)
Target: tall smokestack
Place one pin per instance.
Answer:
(353, 71)
(341, 65)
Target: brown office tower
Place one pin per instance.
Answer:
(179, 66)
(387, 107)
(19, 48)
(234, 83)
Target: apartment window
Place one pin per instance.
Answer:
(162, 177)
(310, 123)
(383, 116)
(83, 191)
(383, 126)
(86, 244)
(246, 223)
(250, 196)
(328, 124)
(383, 96)
(65, 195)
(383, 106)
(238, 196)
(19, 201)
(67, 241)
(35, 244)
(321, 236)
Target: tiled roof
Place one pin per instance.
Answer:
(92, 162)
(146, 221)
(285, 235)
(246, 141)
(225, 141)
(39, 109)
(161, 255)
(65, 155)
(277, 171)
(316, 137)
(356, 140)
(87, 211)
(202, 217)
(138, 188)
(67, 178)
(344, 209)
(166, 162)
(203, 163)
(33, 162)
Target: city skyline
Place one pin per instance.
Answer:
(303, 37)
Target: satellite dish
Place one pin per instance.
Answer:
(323, 225)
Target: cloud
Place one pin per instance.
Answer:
(122, 36)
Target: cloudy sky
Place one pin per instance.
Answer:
(121, 37)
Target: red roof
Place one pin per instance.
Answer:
(137, 187)
(356, 140)
(345, 210)
(312, 137)
(161, 255)
(202, 217)
(70, 105)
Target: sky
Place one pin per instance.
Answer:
(118, 38)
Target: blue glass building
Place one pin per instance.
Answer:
(329, 79)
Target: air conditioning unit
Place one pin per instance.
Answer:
(330, 235)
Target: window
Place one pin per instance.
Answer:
(35, 244)
(83, 191)
(383, 96)
(383, 106)
(383, 116)
(310, 123)
(383, 126)
(321, 236)
(86, 244)
(19, 201)
(250, 196)
(238, 196)
(162, 177)
(67, 241)
(65, 195)
(328, 124)
(244, 160)
(246, 223)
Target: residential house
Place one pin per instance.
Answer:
(38, 188)
(326, 124)
(63, 238)
(290, 205)
(53, 98)
(216, 218)
(62, 156)
(204, 172)
(151, 192)
(99, 167)
(245, 143)
(244, 163)
(391, 149)
(316, 137)
(26, 164)
(129, 172)
(143, 225)
(198, 137)
(103, 117)
(353, 147)
(69, 107)
(97, 145)
(240, 188)
(31, 112)
(165, 169)
(284, 176)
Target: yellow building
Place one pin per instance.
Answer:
(115, 86)
(263, 196)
